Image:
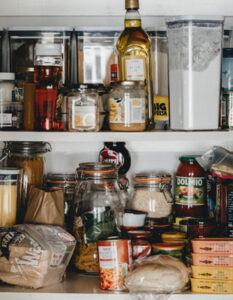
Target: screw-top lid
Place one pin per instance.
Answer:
(7, 76)
(48, 49)
(187, 158)
(131, 4)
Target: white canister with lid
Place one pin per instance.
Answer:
(194, 52)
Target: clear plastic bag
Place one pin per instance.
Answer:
(159, 274)
(34, 255)
(217, 160)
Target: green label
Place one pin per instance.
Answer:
(190, 190)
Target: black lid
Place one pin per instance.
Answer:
(86, 86)
(228, 52)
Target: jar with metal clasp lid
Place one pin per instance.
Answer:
(67, 183)
(29, 156)
(98, 212)
(153, 195)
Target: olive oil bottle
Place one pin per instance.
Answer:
(133, 49)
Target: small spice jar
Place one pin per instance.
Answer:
(153, 195)
(85, 109)
(127, 106)
(140, 240)
(191, 189)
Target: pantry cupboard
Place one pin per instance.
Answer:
(149, 150)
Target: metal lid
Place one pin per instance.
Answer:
(7, 76)
(62, 179)
(168, 246)
(48, 49)
(129, 82)
(173, 235)
(152, 177)
(139, 234)
(187, 158)
(9, 171)
(131, 4)
(27, 148)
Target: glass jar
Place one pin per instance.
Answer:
(153, 195)
(191, 189)
(140, 240)
(98, 212)
(67, 183)
(85, 109)
(29, 157)
(127, 106)
(9, 196)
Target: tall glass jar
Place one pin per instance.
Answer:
(29, 157)
(98, 212)
(127, 106)
(153, 195)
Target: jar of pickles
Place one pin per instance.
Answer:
(127, 106)
(98, 212)
(29, 157)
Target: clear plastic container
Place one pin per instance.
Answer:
(22, 49)
(159, 62)
(98, 212)
(96, 53)
(9, 196)
(195, 52)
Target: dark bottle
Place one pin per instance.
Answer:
(47, 77)
(191, 186)
(115, 152)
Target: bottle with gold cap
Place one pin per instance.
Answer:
(134, 58)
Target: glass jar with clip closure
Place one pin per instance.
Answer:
(98, 212)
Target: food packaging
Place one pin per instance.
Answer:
(219, 273)
(34, 256)
(45, 206)
(212, 259)
(217, 160)
(213, 245)
(211, 286)
(160, 274)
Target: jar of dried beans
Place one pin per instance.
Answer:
(153, 195)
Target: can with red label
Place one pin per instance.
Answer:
(115, 259)
(141, 246)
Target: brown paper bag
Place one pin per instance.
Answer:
(45, 206)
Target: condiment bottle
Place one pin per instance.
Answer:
(134, 57)
(48, 78)
(191, 187)
(141, 246)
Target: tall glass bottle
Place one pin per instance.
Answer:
(134, 58)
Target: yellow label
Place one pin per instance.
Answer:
(135, 67)
(161, 108)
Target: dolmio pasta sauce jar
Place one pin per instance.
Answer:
(115, 259)
(191, 186)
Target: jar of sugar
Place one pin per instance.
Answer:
(194, 53)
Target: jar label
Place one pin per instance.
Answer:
(135, 67)
(190, 190)
(161, 108)
(109, 156)
(5, 120)
(127, 110)
(83, 116)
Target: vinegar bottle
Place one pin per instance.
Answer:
(47, 77)
(134, 58)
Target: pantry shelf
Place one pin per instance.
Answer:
(85, 287)
(166, 141)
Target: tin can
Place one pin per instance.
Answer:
(115, 259)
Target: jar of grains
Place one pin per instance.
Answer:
(153, 195)
(127, 106)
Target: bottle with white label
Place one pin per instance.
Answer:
(134, 58)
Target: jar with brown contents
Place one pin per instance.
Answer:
(127, 106)
(29, 157)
